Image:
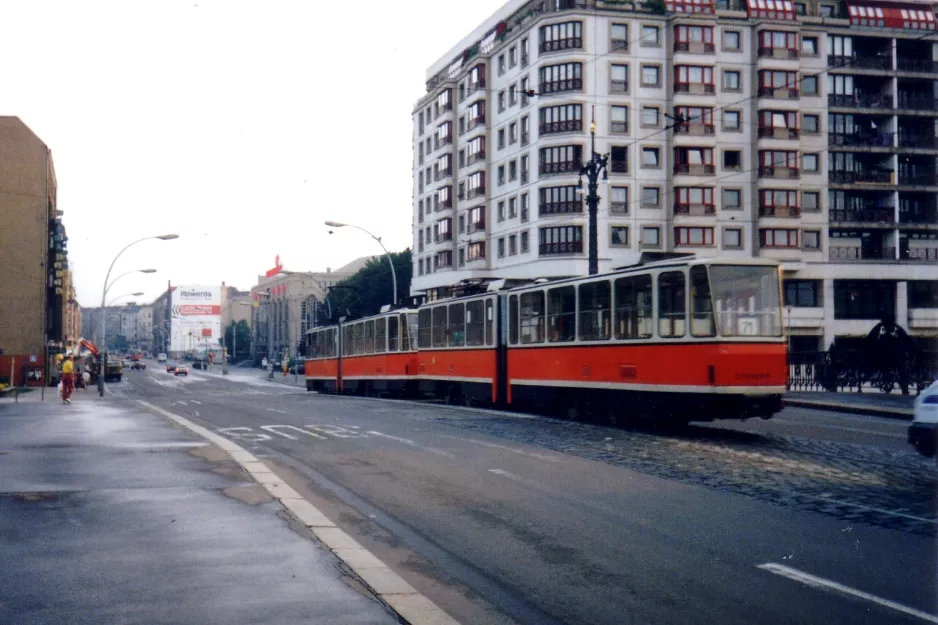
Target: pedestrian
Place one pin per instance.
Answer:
(68, 379)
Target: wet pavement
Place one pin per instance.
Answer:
(109, 514)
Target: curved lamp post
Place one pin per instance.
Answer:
(339, 224)
(107, 285)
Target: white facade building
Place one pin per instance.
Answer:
(802, 132)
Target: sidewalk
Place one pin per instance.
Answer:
(109, 513)
(873, 403)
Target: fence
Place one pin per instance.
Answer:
(847, 370)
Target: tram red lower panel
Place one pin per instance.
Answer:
(459, 366)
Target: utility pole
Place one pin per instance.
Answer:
(591, 169)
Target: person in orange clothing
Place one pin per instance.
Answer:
(68, 379)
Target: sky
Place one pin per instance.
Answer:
(240, 126)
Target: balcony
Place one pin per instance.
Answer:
(855, 253)
(562, 167)
(877, 63)
(561, 86)
(882, 140)
(781, 93)
(778, 133)
(551, 128)
(443, 238)
(917, 180)
(779, 53)
(443, 173)
(695, 210)
(694, 170)
(916, 102)
(695, 130)
(475, 192)
(439, 143)
(786, 173)
(783, 212)
(917, 142)
(558, 45)
(551, 249)
(918, 66)
(476, 226)
(860, 177)
(876, 215)
(694, 47)
(860, 101)
(920, 254)
(559, 208)
(695, 88)
(918, 216)
(475, 157)
(475, 86)
(475, 122)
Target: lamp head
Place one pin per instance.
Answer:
(335, 224)
(167, 237)
(148, 271)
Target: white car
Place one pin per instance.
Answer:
(161, 358)
(923, 433)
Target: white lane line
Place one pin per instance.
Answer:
(275, 410)
(826, 584)
(504, 447)
(871, 509)
(407, 441)
(510, 476)
(196, 401)
(182, 403)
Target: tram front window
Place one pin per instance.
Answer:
(746, 300)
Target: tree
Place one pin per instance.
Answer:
(244, 339)
(370, 288)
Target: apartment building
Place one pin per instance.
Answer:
(798, 131)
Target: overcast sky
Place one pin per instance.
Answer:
(241, 126)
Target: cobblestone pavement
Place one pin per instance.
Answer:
(856, 483)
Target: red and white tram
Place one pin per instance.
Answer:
(679, 340)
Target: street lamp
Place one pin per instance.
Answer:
(591, 169)
(338, 224)
(107, 285)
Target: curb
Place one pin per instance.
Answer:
(409, 605)
(901, 414)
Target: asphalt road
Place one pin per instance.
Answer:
(502, 518)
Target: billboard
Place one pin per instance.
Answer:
(196, 318)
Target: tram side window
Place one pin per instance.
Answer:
(489, 321)
(513, 320)
(359, 347)
(475, 323)
(532, 317)
(370, 336)
(457, 325)
(409, 331)
(392, 334)
(595, 311)
(701, 314)
(348, 340)
(672, 306)
(381, 335)
(330, 350)
(439, 326)
(424, 323)
(561, 311)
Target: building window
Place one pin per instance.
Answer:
(731, 40)
(512, 245)
(923, 293)
(731, 120)
(563, 118)
(619, 236)
(559, 160)
(651, 197)
(512, 171)
(693, 200)
(462, 256)
(731, 80)
(477, 219)
(524, 52)
(811, 201)
(558, 200)
(561, 78)
(694, 79)
(524, 242)
(810, 162)
(809, 85)
(525, 130)
(501, 101)
(476, 251)
(501, 138)
(501, 64)
(619, 119)
(501, 175)
(525, 90)
(775, 42)
(802, 293)
(620, 38)
(732, 160)
(513, 132)
(695, 39)
(778, 238)
(619, 159)
(809, 46)
(778, 203)
(651, 76)
(650, 116)
(651, 158)
(811, 239)
(651, 236)
(732, 199)
(512, 56)
(501, 247)
(512, 207)
(772, 80)
(694, 161)
(524, 207)
(732, 238)
(619, 201)
(462, 224)
(564, 36)
(475, 185)
(811, 124)
(651, 35)
(864, 299)
(524, 169)
(501, 210)
(618, 78)
(693, 236)
(561, 240)
(512, 95)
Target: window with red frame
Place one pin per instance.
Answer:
(476, 148)
(476, 250)
(686, 35)
(476, 183)
(693, 236)
(444, 133)
(776, 79)
(694, 75)
(778, 158)
(687, 196)
(779, 197)
(477, 76)
(694, 116)
(777, 237)
(693, 156)
(779, 40)
(778, 119)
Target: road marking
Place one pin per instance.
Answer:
(510, 476)
(240, 434)
(504, 447)
(407, 441)
(273, 428)
(182, 403)
(196, 401)
(275, 410)
(826, 584)
(871, 509)
(334, 430)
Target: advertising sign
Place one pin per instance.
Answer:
(196, 318)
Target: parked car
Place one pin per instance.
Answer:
(138, 365)
(923, 433)
(182, 370)
(161, 358)
(171, 367)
